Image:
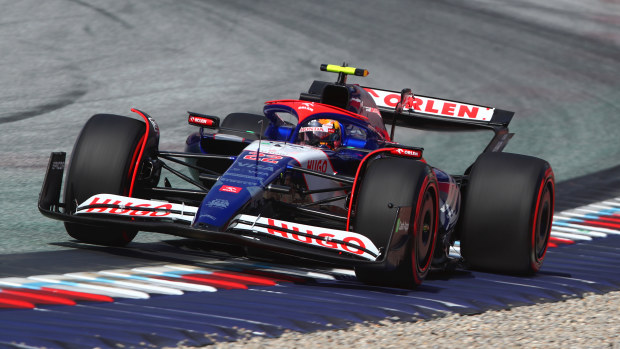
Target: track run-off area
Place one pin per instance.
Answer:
(555, 64)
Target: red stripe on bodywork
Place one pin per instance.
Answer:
(146, 137)
(134, 162)
(361, 166)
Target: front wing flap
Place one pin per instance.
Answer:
(339, 240)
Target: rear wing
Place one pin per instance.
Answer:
(403, 109)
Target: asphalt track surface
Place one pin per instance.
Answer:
(555, 64)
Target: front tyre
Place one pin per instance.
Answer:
(103, 161)
(408, 240)
(507, 213)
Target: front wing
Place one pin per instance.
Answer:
(113, 211)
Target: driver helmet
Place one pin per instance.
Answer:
(321, 133)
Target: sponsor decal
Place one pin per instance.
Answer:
(306, 106)
(372, 110)
(409, 102)
(315, 129)
(108, 205)
(125, 206)
(327, 128)
(154, 125)
(317, 165)
(355, 103)
(230, 189)
(343, 241)
(198, 120)
(264, 157)
(434, 106)
(240, 182)
(296, 151)
(403, 220)
(58, 165)
(218, 203)
(254, 165)
(406, 152)
(402, 225)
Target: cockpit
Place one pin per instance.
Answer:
(319, 125)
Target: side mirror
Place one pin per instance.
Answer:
(202, 120)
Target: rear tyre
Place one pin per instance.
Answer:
(507, 213)
(390, 183)
(244, 125)
(103, 161)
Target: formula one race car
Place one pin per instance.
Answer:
(317, 178)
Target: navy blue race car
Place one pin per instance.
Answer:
(319, 178)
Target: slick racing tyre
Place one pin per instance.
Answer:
(244, 125)
(103, 161)
(391, 184)
(507, 213)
